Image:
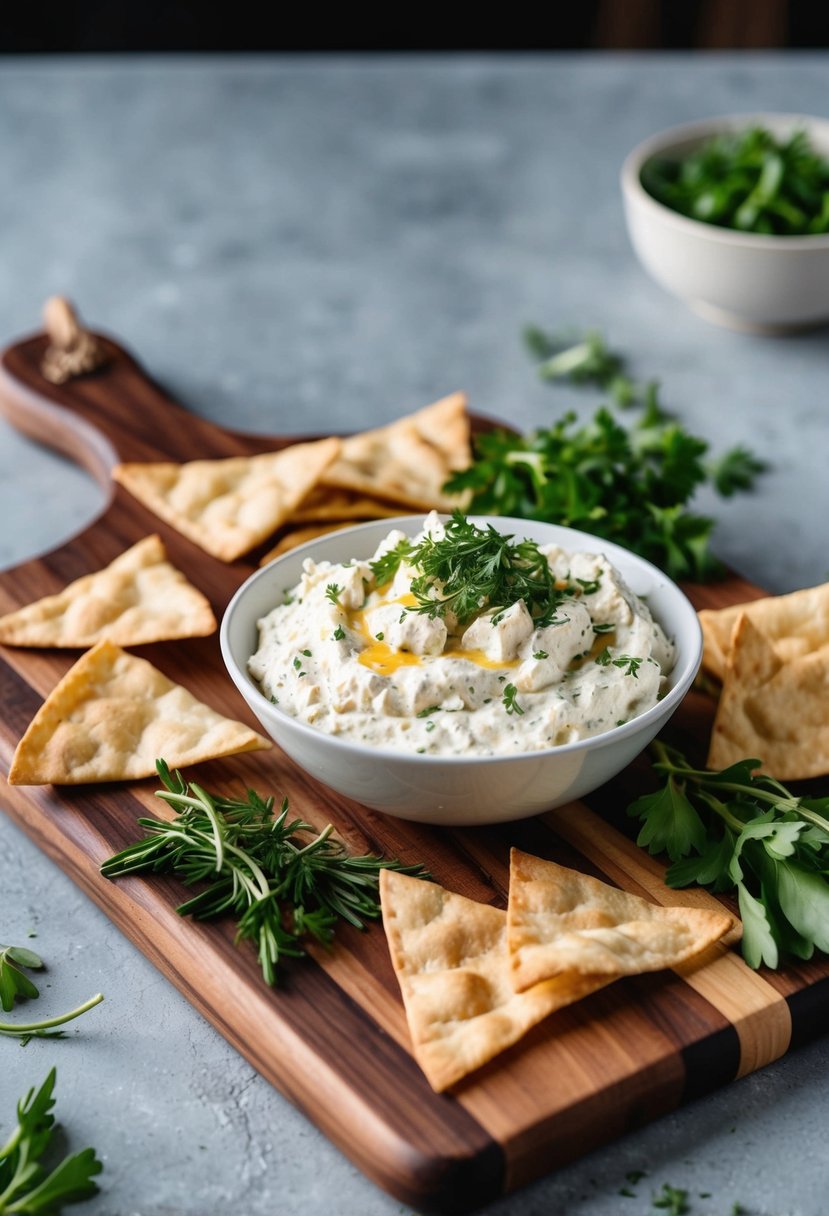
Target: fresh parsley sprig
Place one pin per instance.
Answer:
(25, 1186)
(282, 882)
(741, 830)
(16, 985)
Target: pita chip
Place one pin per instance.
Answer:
(562, 921)
(797, 624)
(449, 955)
(229, 506)
(772, 709)
(327, 503)
(409, 460)
(111, 716)
(300, 536)
(138, 598)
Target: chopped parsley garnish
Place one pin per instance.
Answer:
(333, 592)
(297, 663)
(629, 662)
(338, 634)
(510, 703)
(307, 653)
(379, 636)
(472, 570)
(426, 713)
(608, 628)
(540, 654)
(386, 566)
(589, 586)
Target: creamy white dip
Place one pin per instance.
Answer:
(351, 659)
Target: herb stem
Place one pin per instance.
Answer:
(15, 1029)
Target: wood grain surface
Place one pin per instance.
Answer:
(333, 1037)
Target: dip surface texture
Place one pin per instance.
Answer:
(359, 654)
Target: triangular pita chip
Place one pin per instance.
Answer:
(409, 460)
(562, 921)
(300, 536)
(229, 506)
(797, 624)
(109, 719)
(771, 709)
(138, 598)
(326, 502)
(449, 954)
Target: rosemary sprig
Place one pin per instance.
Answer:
(258, 866)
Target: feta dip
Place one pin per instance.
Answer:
(381, 652)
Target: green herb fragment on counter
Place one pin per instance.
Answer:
(283, 882)
(13, 982)
(671, 1199)
(739, 830)
(25, 1185)
(749, 180)
(15, 985)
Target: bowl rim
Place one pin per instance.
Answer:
(662, 141)
(663, 708)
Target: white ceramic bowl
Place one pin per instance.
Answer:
(457, 789)
(756, 283)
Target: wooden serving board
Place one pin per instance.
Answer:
(333, 1038)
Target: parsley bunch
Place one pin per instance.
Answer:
(737, 830)
(257, 866)
(25, 1186)
(751, 181)
(631, 486)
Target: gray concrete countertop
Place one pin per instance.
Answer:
(317, 244)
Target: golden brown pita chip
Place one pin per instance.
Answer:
(300, 536)
(771, 709)
(229, 506)
(560, 920)
(327, 503)
(409, 460)
(111, 716)
(449, 954)
(138, 598)
(797, 624)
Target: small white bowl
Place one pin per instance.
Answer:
(463, 790)
(747, 281)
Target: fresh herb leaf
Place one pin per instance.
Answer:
(539, 655)
(737, 469)
(25, 1185)
(281, 881)
(629, 662)
(741, 830)
(338, 634)
(333, 593)
(13, 983)
(386, 566)
(427, 713)
(510, 703)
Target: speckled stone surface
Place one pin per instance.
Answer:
(322, 244)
